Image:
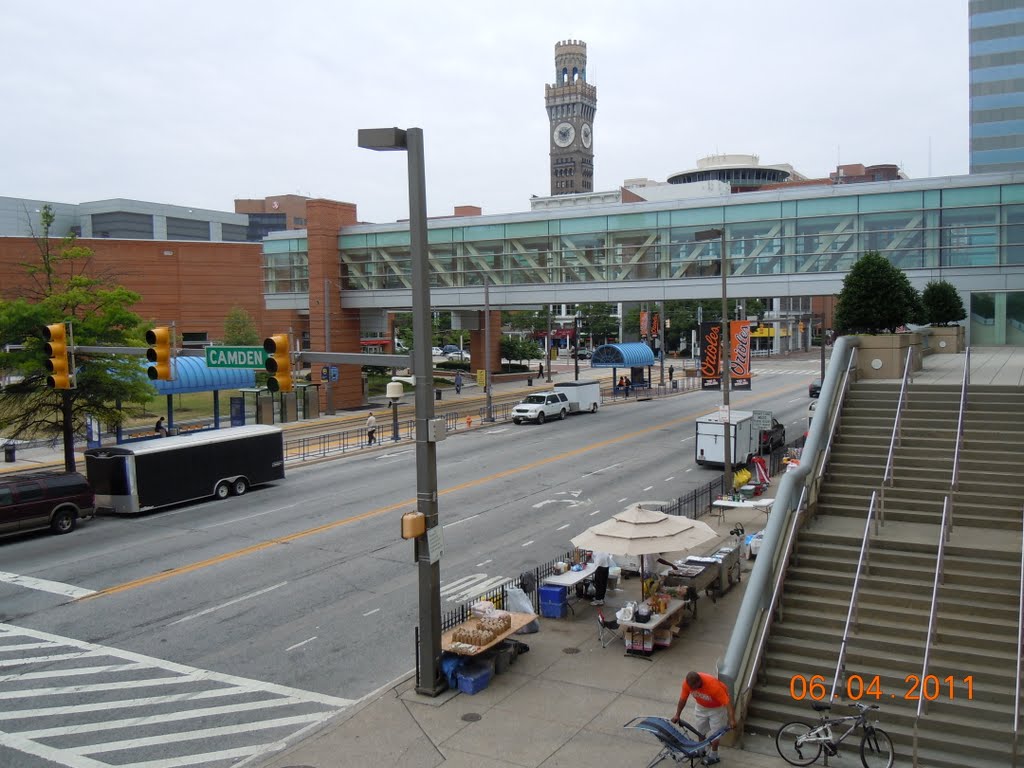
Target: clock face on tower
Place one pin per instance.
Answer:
(586, 135)
(564, 134)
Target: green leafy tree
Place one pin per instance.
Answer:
(942, 304)
(240, 329)
(598, 321)
(876, 297)
(514, 348)
(61, 288)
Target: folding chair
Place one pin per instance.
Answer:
(607, 627)
(679, 742)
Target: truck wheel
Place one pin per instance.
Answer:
(240, 486)
(593, 407)
(540, 417)
(222, 491)
(63, 521)
(561, 415)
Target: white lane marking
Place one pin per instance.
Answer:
(595, 512)
(370, 613)
(496, 431)
(310, 640)
(690, 469)
(239, 519)
(562, 528)
(470, 586)
(223, 730)
(56, 756)
(48, 659)
(210, 757)
(458, 522)
(65, 689)
(73, 671)
(686, 438)
(651, 486)
(544, 503)
(45, 585)
(24, 647)
(392, 455)
(528, 543)
(624, 498)
(670, 479)
(257, 593)
(603, 469)
(485, 562)
(149, 701)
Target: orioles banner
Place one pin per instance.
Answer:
(711, 351)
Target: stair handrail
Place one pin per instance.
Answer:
(954, 483)
(940, 556)
(1020, 645)
(836, 412)
(851, 614)
(897, 436)
(743, 699)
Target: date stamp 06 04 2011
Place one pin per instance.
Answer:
(930, 688)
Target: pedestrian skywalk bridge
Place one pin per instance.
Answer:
(90, 706)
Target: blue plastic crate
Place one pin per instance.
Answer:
(554, 610)
(552, 593)
(474, 678)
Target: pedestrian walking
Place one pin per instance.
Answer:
(371, 429)
(458, 382)
(671, 370)
(540, 371)
(713, 707)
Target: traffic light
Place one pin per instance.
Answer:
(159, 353)
(57, 365)
(278, 363)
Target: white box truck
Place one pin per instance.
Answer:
(710, 447)
(583, 395)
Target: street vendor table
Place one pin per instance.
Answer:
(519, 620)
(569, 580)
(761, 505)
(647, 628)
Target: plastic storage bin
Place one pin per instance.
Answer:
(474, 678)
(554, 610)
(552, 593)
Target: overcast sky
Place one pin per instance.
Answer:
(198, 103)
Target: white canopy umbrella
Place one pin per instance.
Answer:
(640, 531)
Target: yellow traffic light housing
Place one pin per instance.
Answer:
(159, 353)
(278, 363)
(58, 365)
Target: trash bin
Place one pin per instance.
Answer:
(529, 383)
(437, 394)
(675, 385)
(9, 453)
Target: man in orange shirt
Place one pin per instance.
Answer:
(713, 707)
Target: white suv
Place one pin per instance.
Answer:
(542, 406)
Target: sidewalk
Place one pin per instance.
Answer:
(562, 703)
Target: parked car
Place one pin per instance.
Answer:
(437, 352)
(54, 500)
(810, 413)
(448, 349)
(773, 438)
(457, 355)
(814, 388)
(541, 407)
(584, 354)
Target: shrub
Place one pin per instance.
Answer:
(942, 304)
(876, 297)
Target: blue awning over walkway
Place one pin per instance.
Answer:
(192, 375)
(634, 354)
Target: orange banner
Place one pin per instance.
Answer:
(739, 354)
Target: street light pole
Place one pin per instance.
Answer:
(430, 682)
(487, 348)
(576, 342)
(712, 234)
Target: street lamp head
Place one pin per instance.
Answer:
(395, 391)
(708, 234)
(382, 139)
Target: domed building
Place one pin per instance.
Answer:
(743, 173)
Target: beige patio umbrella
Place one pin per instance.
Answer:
(640, 531)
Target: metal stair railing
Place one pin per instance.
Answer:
(769, 615)
(897, 436)
(1020, 646)
(954, 482)
(834, 416)
(851, 614)
(932, 615)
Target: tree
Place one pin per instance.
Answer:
(519, 349)
(240, 329)
(60, 289)
(941, 302)
(876, 297)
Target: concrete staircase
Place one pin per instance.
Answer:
(970, 719)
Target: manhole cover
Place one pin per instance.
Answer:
(471, 717)
(570, 650)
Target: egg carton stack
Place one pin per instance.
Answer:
(483, 631)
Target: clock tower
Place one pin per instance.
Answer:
(571, 103)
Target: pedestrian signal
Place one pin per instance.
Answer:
(278, 363)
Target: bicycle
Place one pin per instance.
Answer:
(802, 744)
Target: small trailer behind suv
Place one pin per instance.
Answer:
(583, 395)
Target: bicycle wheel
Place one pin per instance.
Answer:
(794, 746)
(876, 749)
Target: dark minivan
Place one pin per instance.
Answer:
(55, 500)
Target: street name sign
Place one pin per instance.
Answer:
(236, 357)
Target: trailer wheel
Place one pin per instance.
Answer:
(593, 407)
(240, 486)
(223, 490)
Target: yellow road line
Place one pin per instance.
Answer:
(156, 577)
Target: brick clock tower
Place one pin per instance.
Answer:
(571, 103)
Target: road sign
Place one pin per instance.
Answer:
(762, 419)
(236, 357)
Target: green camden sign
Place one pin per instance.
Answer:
(235, 357)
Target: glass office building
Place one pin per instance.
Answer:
(997, 85)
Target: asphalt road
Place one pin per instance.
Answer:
(241, 622)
